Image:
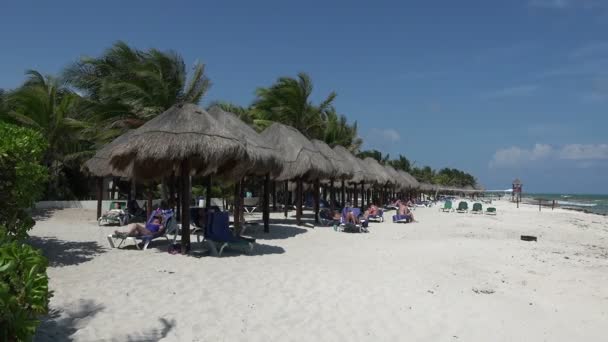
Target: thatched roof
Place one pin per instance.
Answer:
(379, 174)
(395, 178)
(99, 165)
(262, 158)
(340, 165)
(352, 162)
(413, 183)
(183, 132)
(301, 158)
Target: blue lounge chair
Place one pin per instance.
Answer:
(219, 236)
(379, 217)
(402, 218)
(169, 223)
(351, 227)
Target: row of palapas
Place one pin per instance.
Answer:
(187, 140)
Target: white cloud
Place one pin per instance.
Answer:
(584, 152)
(388, 134)
(515, 156)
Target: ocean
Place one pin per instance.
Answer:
(597, 204)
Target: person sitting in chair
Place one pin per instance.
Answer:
(152, 228)
(350, 216)
(373, 210)
(405, 211)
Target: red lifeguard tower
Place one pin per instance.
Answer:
(516, 194)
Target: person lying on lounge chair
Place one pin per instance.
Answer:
(137, 229)
(405, 211)
(373, 210)
(350, 217)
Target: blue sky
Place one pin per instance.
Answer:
(502, 89)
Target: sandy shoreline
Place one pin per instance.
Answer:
(450, 277)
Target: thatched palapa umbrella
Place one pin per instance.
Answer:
(354, 164)
(100, 167)
(262, 159)
(376, 175)
(184, 138)
(301, 159)
(395, 183)
(341, 169)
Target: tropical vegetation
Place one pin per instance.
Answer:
(98, 98)
(24, 293)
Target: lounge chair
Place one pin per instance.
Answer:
(135, 212)
(402, 218)
(463, 207)
(326, 218)
(170, 225)
(379, 217)
(447, 207)
(115, 215)
(219, 236)
(250, 204)
(490, 211)
(351, 227)
(477, 208)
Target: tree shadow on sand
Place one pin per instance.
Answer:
(43, 214)
(66, 253)
(61, 325)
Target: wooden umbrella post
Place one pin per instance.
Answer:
(208, 184)
(316, 199)
(332, 195)
(285, 197)
(185, 176)
(149, 200)
(343, 198)
(236, 210)
(274, 196)
(99, 196)
(362, 196)
(299, 201)
(266, 209)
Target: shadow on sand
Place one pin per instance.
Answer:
(60, 325)
(66, 253)
(277, 231)
(43, 214)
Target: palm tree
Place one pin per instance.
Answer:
(288, 102)
(44, 104)
(127, 87)
(337, 131)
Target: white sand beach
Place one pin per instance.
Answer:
(449, 277)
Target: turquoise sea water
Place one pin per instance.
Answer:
(597, 204)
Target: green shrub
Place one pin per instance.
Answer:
(24, 293)
(22, 177)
